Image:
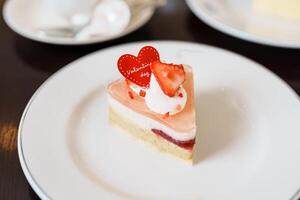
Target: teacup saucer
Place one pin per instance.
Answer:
(20, 16)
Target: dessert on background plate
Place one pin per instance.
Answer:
(155, 102)
(285, 9)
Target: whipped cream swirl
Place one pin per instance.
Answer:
(158, 102)
(137, 89)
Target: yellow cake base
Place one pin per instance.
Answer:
(148, 136)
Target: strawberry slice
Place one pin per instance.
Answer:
(142, 93)
(168, 76)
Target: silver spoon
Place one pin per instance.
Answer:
(77, 23)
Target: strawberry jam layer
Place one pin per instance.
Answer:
(189, 144)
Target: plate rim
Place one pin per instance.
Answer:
(29, 177)
(7, 19)
(24, 165)
(231, 31)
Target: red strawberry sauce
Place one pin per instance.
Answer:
(183, 144)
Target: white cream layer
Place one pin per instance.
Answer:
(148, 123)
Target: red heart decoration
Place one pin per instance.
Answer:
(137, 69)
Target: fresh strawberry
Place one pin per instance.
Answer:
(166, 115)
(168, 76)
(142, 93)
(130, 95)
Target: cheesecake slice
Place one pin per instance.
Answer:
(167, 123)
(155, 102)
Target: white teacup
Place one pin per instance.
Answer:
(67, 8)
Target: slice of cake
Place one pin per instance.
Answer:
(155, 102)
(286, 9)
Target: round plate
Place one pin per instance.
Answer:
(19, 16)
(247, 136)
(236, 18)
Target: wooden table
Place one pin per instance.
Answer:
(26, 64)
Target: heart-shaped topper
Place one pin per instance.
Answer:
(137, 69)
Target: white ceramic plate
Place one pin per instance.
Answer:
(20, 17)
(248, 133)
(235, 18)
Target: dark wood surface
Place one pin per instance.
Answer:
(25, 65)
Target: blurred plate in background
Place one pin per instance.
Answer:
(236, 18)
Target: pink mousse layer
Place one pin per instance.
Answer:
(182, 122)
